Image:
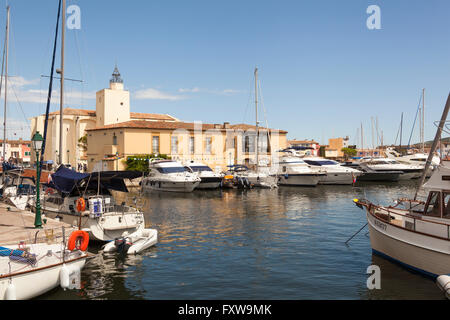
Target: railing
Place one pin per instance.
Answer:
(408, 221)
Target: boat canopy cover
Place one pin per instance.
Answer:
(66, 180)
(238, 167)
(9, 166)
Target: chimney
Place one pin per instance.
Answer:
(226, 125)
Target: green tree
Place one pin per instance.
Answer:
(349, 152)
(139, 162)
(82, 142)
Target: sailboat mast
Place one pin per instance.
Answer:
(6, 89)
(423, 120)
(401, 130)
(362, 140)
(63, 27)
(256, 113)
(373, 144)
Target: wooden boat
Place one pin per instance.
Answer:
(412, 232)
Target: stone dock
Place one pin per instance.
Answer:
(18, 226)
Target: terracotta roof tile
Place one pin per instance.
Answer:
(141, 124)
(155, 116)
(75, 112)
(133, 115)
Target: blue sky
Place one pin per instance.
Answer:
(322, 71)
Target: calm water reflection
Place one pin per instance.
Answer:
(286, 243)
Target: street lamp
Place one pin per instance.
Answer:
(37, 141)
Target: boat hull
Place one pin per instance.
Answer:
(379, 176)
(37, 281)
(108, 229)
(184, 186)
(263, 181)
(410, 249)
(209, 183)
(342, 178)
(308, 180)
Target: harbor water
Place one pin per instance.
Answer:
(285, 243)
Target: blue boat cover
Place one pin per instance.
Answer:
(67, 180)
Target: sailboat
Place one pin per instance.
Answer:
(100, 216)
(261, 175)
(416, 232)
(31, 268)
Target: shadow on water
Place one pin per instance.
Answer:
(283, 243)
(398, 282)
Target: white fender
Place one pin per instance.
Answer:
(64, 275)
(10, 293)
(443, 282)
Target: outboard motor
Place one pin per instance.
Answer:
(122, 245)
(240, 183)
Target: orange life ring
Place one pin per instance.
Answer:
(79, 240)
(81, 204)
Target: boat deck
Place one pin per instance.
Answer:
(17, 225)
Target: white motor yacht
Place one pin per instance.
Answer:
(209, 178)
(416, 158)
(168, 175)
(335, 173)
(387, 164)
(296, 172)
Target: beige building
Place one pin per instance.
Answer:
(113, 133)
(217, 145)
(77, 121)
(336, 144)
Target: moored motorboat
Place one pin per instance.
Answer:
(369, 174)
(386, 164)
(209, 178)
(294, 171)
(168, 175)
(334, 172)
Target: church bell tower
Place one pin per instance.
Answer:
(113, 104)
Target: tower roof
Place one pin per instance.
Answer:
(116, 76)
